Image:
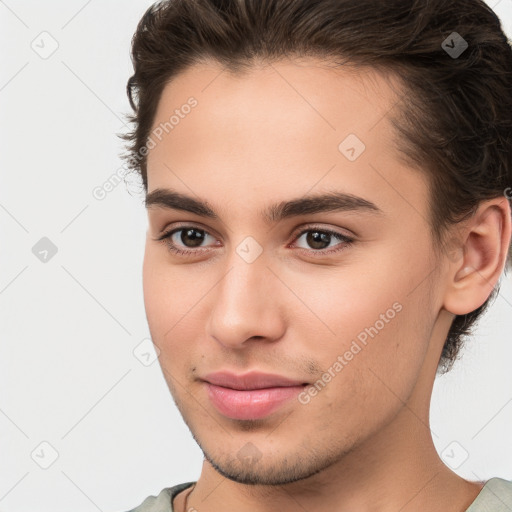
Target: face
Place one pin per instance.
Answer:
(335, 295)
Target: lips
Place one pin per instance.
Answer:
(249, 381)
(251, 395)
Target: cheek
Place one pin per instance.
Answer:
(169, 290)
(164, 299)
(173, 303)
(156, 296)
(345, 302)
(373, 319)
(372, 365)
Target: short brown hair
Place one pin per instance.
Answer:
(455, 120)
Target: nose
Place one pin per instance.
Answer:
(246, 304)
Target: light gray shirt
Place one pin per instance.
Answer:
(495, 496)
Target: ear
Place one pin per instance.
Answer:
(485, 242)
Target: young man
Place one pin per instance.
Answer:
(327, 187)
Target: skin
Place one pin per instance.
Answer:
(363, 442)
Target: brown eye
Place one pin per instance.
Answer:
(317, 240)
(186, 241)
(192, 235)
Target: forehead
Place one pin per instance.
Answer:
(281, 125)
(338, 97)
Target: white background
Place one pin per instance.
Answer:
(69, 327)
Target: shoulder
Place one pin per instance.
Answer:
(162, 502)
(495, 496)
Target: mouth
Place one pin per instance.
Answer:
(250, 396)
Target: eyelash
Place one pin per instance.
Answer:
(347, 241)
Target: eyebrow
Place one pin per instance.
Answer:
(327, 202)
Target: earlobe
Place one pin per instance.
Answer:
(486, 239)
